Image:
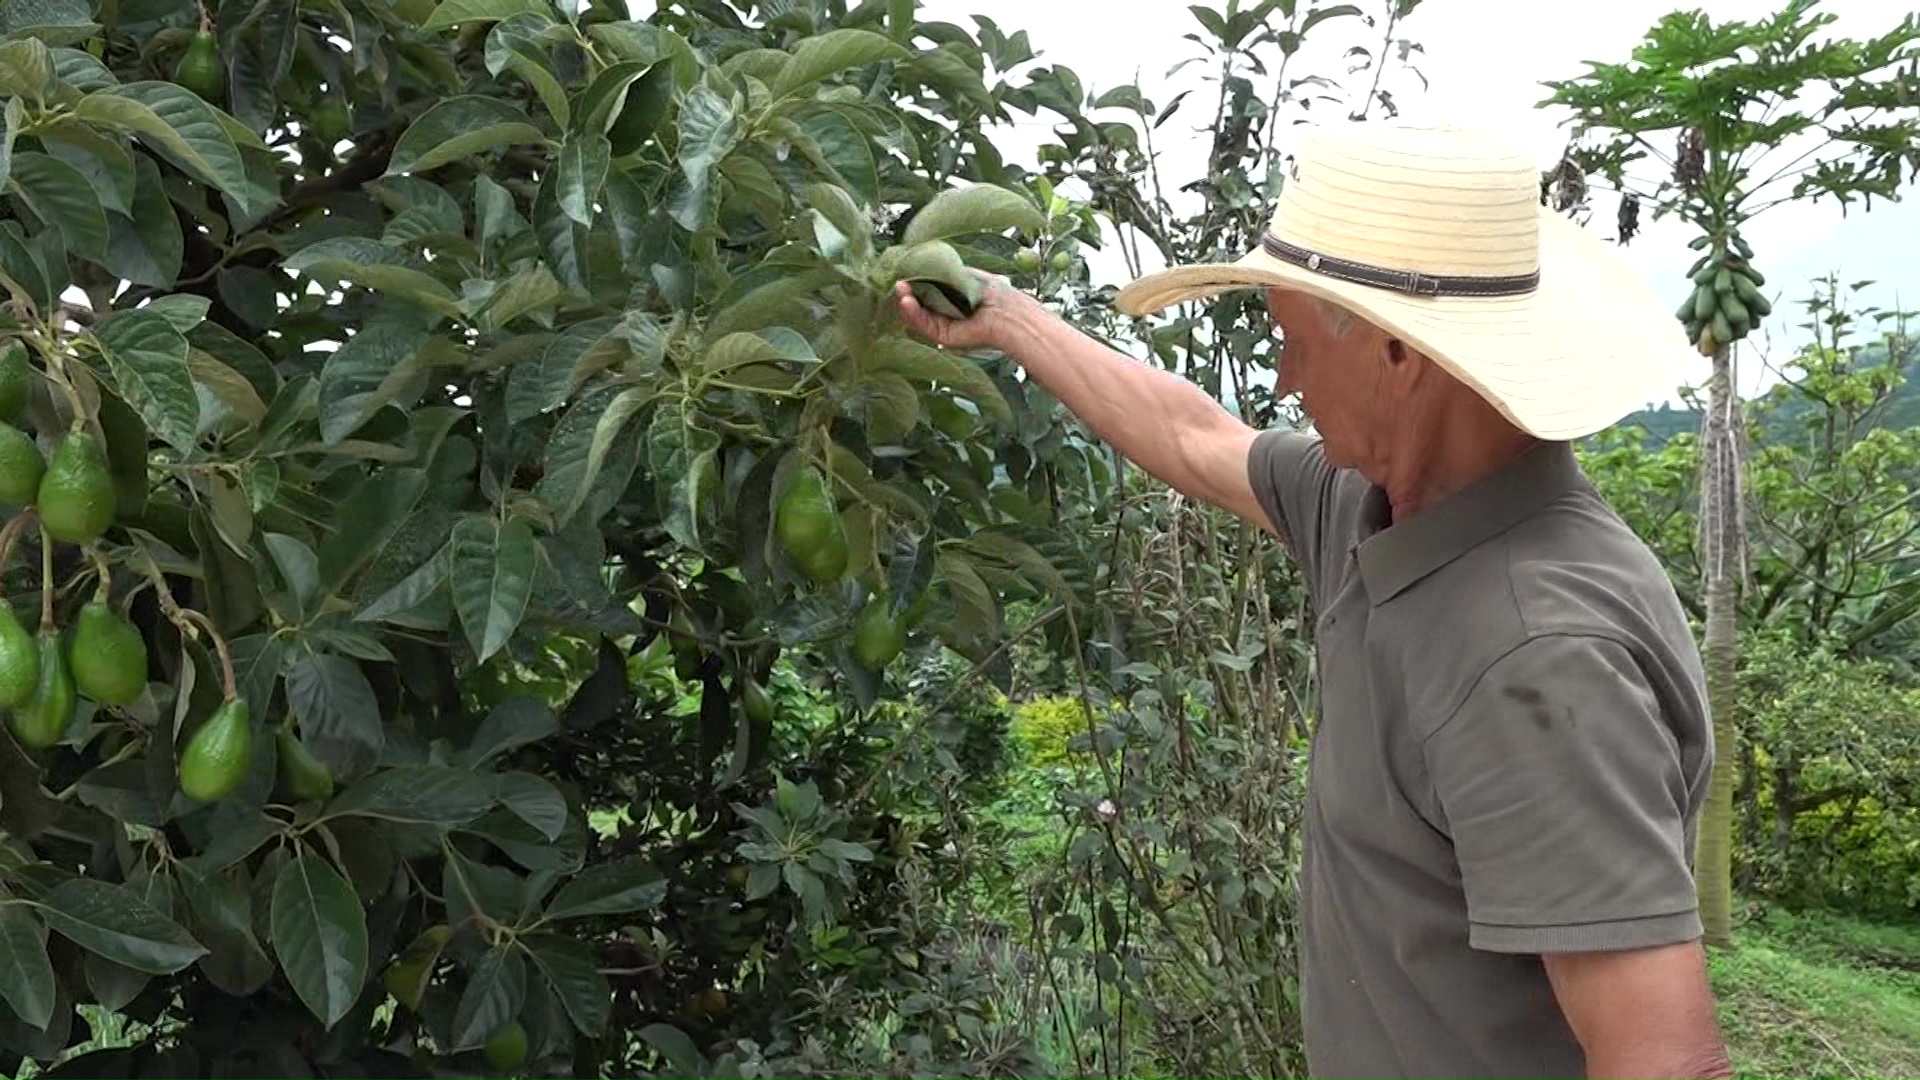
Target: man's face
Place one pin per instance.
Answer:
(1341, 378)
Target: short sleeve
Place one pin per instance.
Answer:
(1561, 783)
(1294, 482)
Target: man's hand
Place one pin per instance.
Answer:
(1641, 1012)
(990, 327)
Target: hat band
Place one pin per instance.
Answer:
(1412, 282)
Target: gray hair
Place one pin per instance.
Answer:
(1340, 321)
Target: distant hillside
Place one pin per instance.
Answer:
(1667, 421)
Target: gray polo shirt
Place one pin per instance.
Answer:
(1511, 754)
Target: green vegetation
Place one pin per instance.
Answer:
(1820, 995)
(512, 599)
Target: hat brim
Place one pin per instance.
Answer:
(1590, 345)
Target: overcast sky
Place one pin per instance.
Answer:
(1485, 60)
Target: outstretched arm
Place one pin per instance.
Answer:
(1157, 420)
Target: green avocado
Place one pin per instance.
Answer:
(108, 656)
(16, 380)
(303, 777)
(200, 69)
(809, 529)
(217, 756)
(878, 637)
(19, 661)
(76, 498)
(44, 718)
(21, 467)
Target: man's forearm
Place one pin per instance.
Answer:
(1145, 412)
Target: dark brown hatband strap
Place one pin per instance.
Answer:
(1411, 282)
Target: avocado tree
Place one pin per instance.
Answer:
(457, 418)
(1756, 114)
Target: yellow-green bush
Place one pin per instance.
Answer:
(1044, 726)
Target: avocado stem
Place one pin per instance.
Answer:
(46, 581)
(219, 646)
(185, 618)
(12, 532)
(104, 593)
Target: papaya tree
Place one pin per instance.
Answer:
(1717, 123)
(434, 423)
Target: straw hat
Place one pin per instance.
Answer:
(1437, 236)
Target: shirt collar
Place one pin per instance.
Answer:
(1395, 557)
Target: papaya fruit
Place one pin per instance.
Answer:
(16, 380)
(43, 719)
(506, 1049)
(200, 69)
(21, 467)
(217, 756)
(19, 661)
(756, 701)
(878, 637)
(302, 777)
(108, 656)
(809, 529)
(75, 497)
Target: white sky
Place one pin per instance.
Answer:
(1485, 60)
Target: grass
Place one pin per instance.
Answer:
(1821, 995)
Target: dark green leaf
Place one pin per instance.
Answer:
(492, 569)
(106, 164)
(516, 45)
(609, 889)
(298, 566)
(514, 722)
(537, 802)
(418, 794)
(145, 247)
(538, 386)
(601, 105)
(148, 358)
(709, 129)
(319, 935)
(115, 923)
(26, 975)
(923, 363)
(176, 124)
(493, 996)
(370, 517)
(371, 369)
(562, 239)
(62, 198)
(339, 717)
(460, 127)
(377, 266)
(582, 168)
(844, 149)
(570, 970)
(678, 1049)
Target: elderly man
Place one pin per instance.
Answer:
(1514, 743)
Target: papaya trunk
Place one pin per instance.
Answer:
(1722, 550)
